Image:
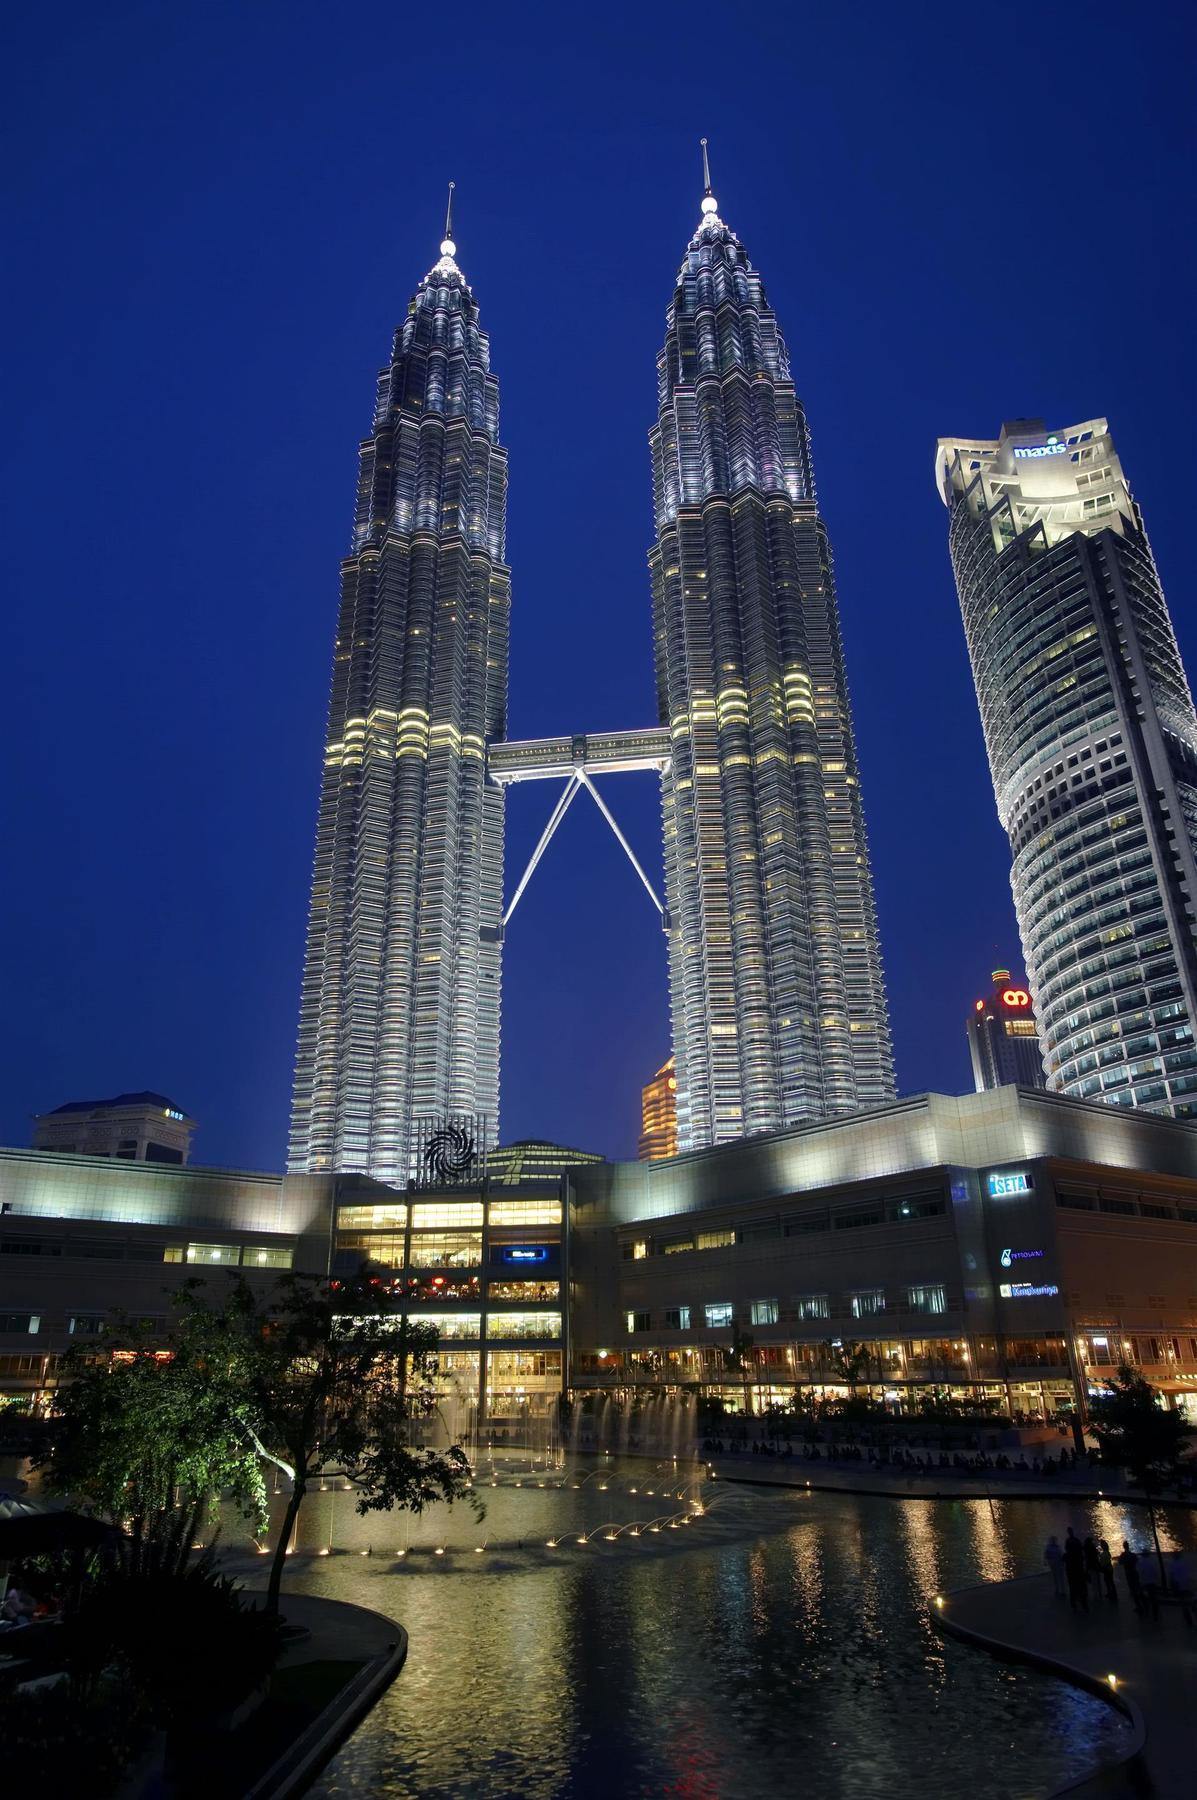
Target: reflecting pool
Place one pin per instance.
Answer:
(716, 1642)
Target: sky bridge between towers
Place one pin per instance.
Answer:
(575, 760)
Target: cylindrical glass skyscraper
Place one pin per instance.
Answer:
(1092, 742)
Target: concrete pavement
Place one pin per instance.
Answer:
(1154, 1663)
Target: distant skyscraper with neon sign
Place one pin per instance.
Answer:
(1092, 740)
(1002, 1039)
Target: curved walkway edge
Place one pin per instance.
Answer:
(938, 1485)
(301, 1762)
(1020, 1621)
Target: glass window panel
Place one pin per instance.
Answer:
(378, 1247)
(524, 1325)
(451, 1325)
(371, 1218)
(718, 1313)
(441, 1214)
(446, 1250)
(764, 1312)
(262, 1256)
(812, 1306)
(524, 1290)
(213, 1253)
(524, 1212)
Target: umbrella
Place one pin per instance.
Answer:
(27, 1529)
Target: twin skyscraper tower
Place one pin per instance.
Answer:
(777, 1002)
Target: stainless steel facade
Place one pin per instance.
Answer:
(777, 1000)
(1092, 741)
(399, 1017)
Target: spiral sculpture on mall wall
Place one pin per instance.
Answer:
(449, 1153)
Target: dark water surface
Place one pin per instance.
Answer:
(778, 1644)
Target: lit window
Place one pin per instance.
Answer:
(927, 1299)
(224, 1254)
(381, 1247)
(867, 1301)
(366, 1218)
(441, 1214)
(446, 1250)
(523, 1290)
(714, 1240)
(677, 1318)
(764, 1312)
(521, 1212)
(526, 1325)
(450, 1325)
(174, 1253)
(718, 1313)
(812, 1306)
(259, 1256)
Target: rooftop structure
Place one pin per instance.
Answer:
(139, 1127)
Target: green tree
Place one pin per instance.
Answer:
(312, 1375)
(334, 1377)
(851, 1363)
(740, 1357)
(140, 1433)
(1138, 1434)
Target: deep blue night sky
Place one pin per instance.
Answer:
(220, 211)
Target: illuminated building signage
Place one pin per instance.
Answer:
(1018, 1181)
(1015, 997)
(1028, 1290)
(525, 1253)
(1053, 447)
(1010, 1257)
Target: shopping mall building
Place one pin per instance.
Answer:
(1010, 1245)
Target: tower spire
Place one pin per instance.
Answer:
(449, 248)
(710, 206)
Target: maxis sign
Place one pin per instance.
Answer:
(1053, 447)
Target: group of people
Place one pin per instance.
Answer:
(21, 1606)
(1078, 1565)
(899, 1456)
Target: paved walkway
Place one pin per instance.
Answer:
(1155, 1664)
(340, 1632)
(936, 1484)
